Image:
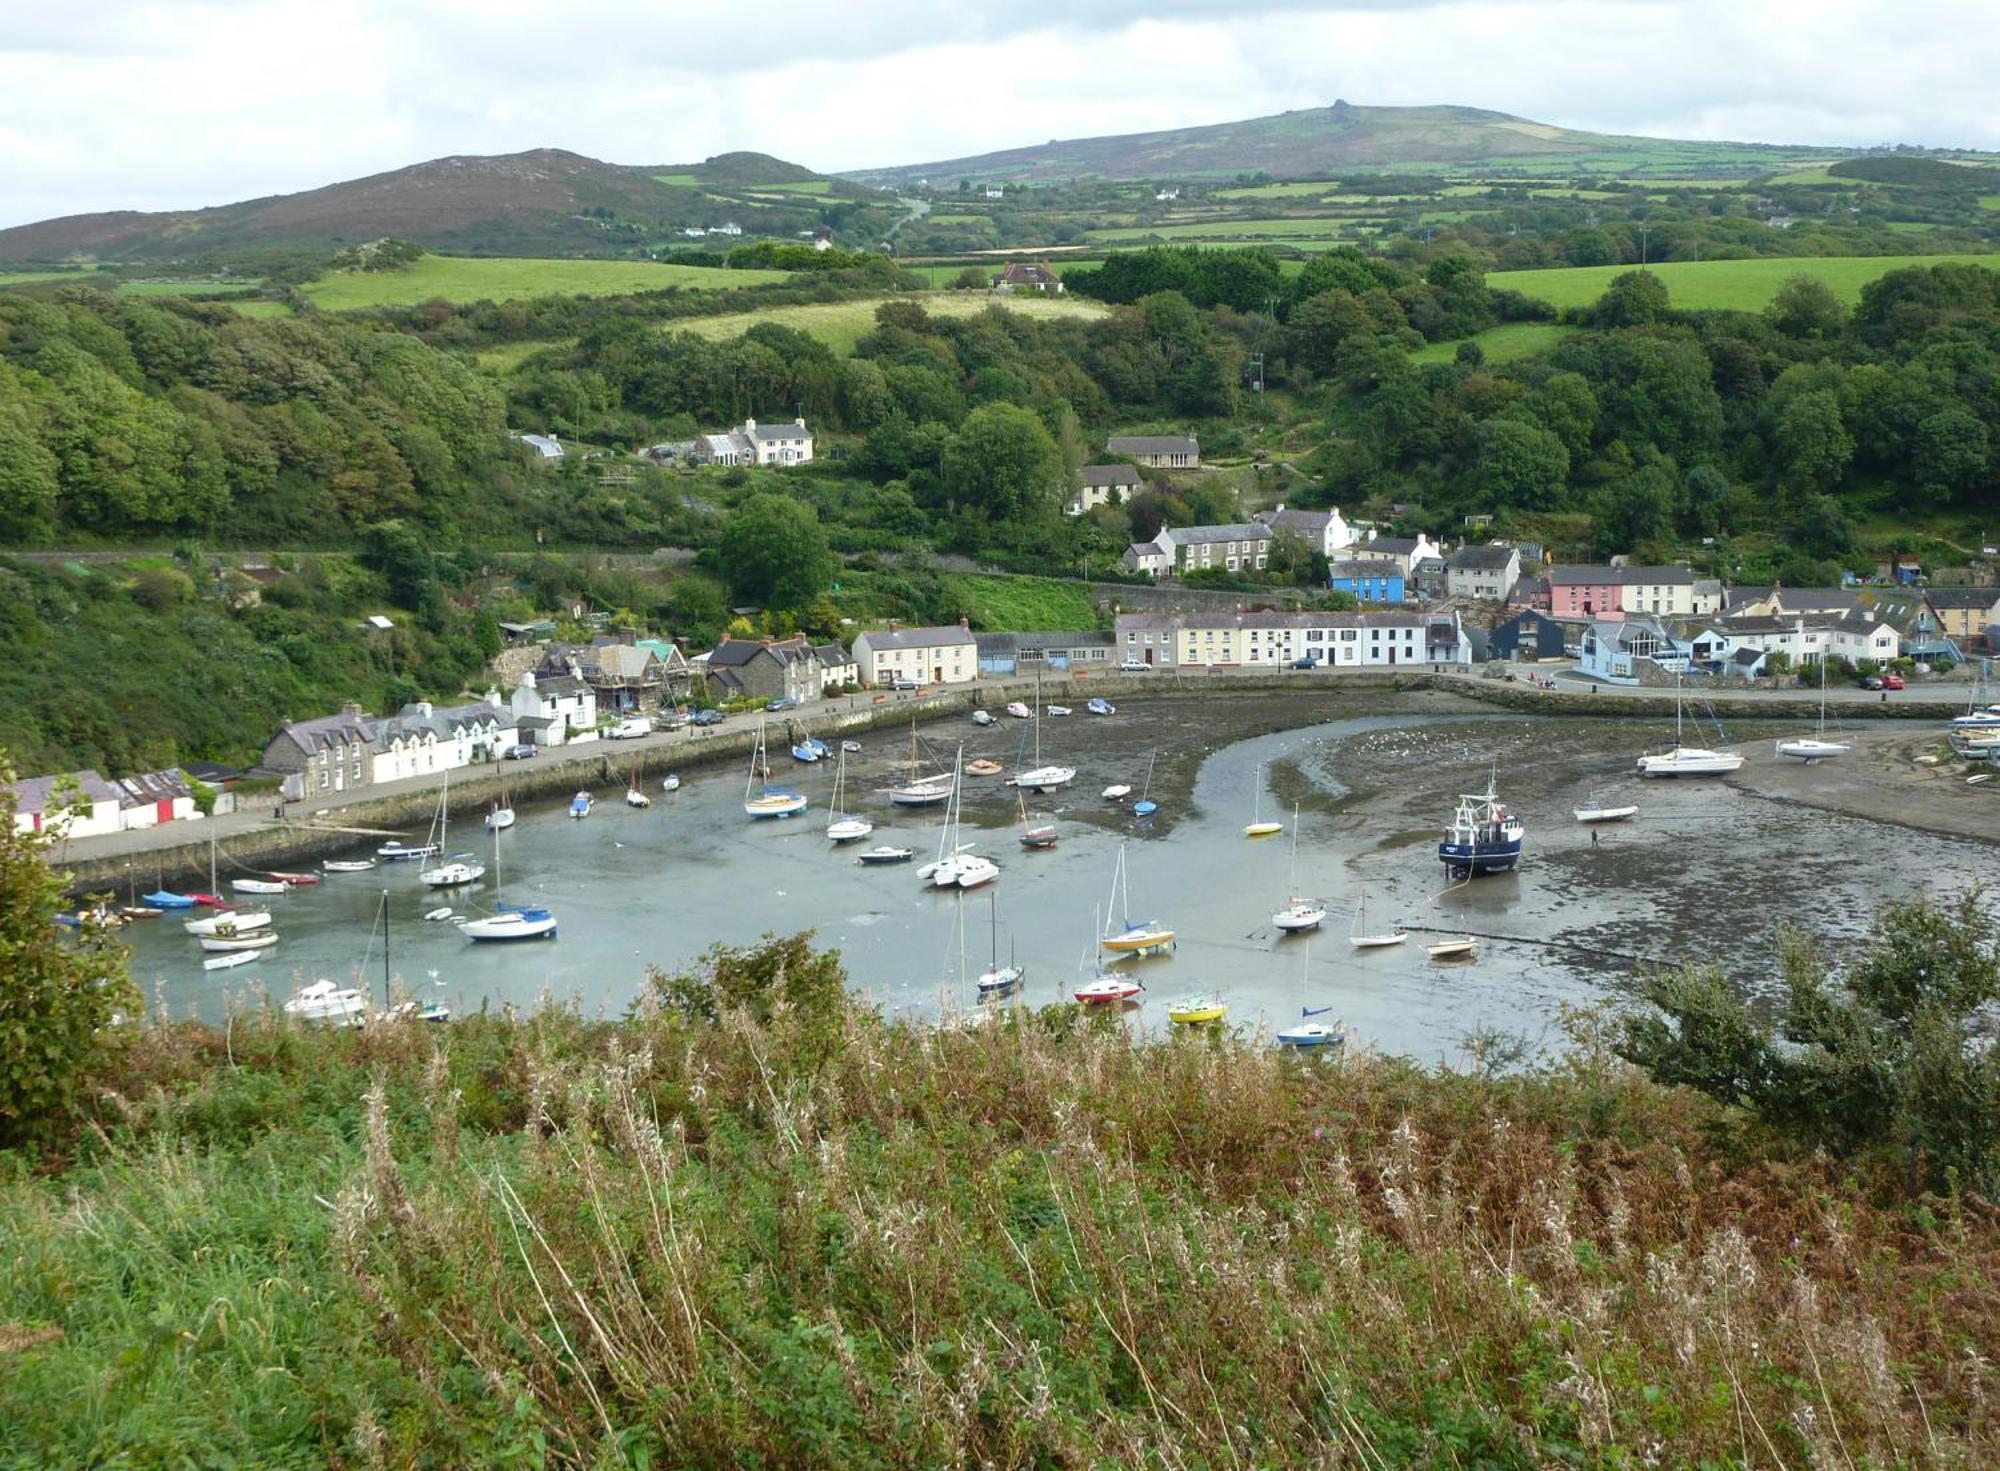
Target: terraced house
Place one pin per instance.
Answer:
(1179, 550)
(1274, 640)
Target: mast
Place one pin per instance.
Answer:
(994, 897)
(385, 950)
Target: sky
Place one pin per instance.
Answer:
(174, 104)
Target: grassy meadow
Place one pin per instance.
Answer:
(1501, 344)
(1261, 229)
(1724, 285)
(840, 324)
(1028, 604)
(517, 278)
(758, 1225)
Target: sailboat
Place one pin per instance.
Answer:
(500, 815)
(508, 921)
(1198, 1010)
(1363, 938)
(580, 805)
(1258, 828)
(228, 922)
(1146, 806)
(1042, 778)
(770, 801)
(1307, 1033)
(1105, 988)
(923, 790)
(957, 866)
(1137, 937)
(999, 979)
(460, 868)
(635, 795)
(1815, 747)
(1685, 760)
(1298, 914)
(1035, 832)
(840, 828)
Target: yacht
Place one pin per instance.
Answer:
(1685, 760)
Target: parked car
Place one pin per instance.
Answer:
(902, 684)
(1309, 662)
(1892, 681)
(783, 702)
(519, 753)
(706, 717)
(630, 729)
(1874, 682)
(1133, 666)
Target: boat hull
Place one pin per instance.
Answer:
(850, 830)
(1473, 859)
(1138, 941)
(1196, 1012)
(500, 927)
(1311, 1035)
(225, 944)
(1375, 942)
(229, 923)
(1690, 761)
(883, 857)
(1263, 829)
(1108, 991)
(775, 804)
(1298, 918)
(1604, 814)
(1809, 750)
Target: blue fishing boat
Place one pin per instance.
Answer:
(810, 749)
(164, 899)
(1484, 836)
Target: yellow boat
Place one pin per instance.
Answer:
(1136, 939)
(1197, 1011)
(1263, 829)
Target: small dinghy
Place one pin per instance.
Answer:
(400, 852)
(1117, 792)
(636, 798)
(1457, 947)
(258, 886)
(348, 865)
(1101, 707)
(224, 962)
(229, 922)
(876, 857)
(1197, 1011)
(139, 911)
(982, 767)
(982, 717)
(1020, 711)
(580, 805)
(1598, 812)
(1056, 711)
(165, 899)
(671, 784)
(223, 944)
(850, 746)
(297, 880)
(499, 818)
(440, 914)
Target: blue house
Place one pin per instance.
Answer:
(1532, 634)
(1369, 581)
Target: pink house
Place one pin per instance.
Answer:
(1587, 592)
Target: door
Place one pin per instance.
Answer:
(163, 811)
(1392, 653)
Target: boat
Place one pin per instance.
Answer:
(982, 717)
(1815, 747)
(507, 922)
(229, 922)
(440, 914)
(296, 880)
(498, 817)
(1019, 710)
(1055, 712)
(1198, 1010)
(957, 866)
(139, 911)
(258, 886)
(1307, 1035)
(220, 942)
(982, 766)
(1036, 832)
(461, 868)
(580, 805)
(1457, 947)
(1040, 778)
(1977, 716)
(1118, 791)
(841, 828)
(998, 979)
(851, 747)
(810, 749)
(323, 1001)
(1974, 744)
(348, 865)
(922, 790)
(1106, 989)
(166, 899)
(1146, 806)
(225, 962)
(1257, 827)
(1101, 706)
(1484, 837)
(767, 800)
(635, 795)
(672, 783)
(1299, 913)
(1363, 938)
(210, 901)
(883, 856)
(1596, 811)
(1685, 760)
(399, 852)
(1135, 937)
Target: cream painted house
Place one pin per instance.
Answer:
(948, 655)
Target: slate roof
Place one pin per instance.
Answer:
(1153, 444)
(775, 432)
(1482, 558)
(31, 793)
(1201, 535)
(918, 638)
(734, 653)
(1399, 546)
(1014, 643)
(323, 731)
(1095, 475)
(1962, 597)
(1362, 568)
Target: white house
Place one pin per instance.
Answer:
(154, 797)
(87, 806)
(1615, 649)
(1404, 551)
(994, 191)
(757, 444)
(1487, 572)
(1183, 549)
(552, 710)
(1097, 484)
(420, 739)
(948, 655)
(1327, 530)
(1807, 639)
(1275, 640)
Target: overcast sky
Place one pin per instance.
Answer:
(165, 104)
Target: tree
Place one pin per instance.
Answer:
(1884, 1052)
(1636, 510)
(1951, 453)
(1003, 462)
(773, 551)
(1633, 299)
(61, 997)
(1520, 465)
(1814, 440)
(1805, 307)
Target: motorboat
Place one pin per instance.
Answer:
(1118, 791)
(1484, 837)
(414, 1011)
(258, 886)
(1101, 707)
(1055, 712)
(167, 899)
(851, 747)
(982, 717)
(229, 960)
(1020, 711)
(883, 856)
(982, 766)
(672, 783)
(1597, 811)
(296, 880)
(511, 922)
(323, 1001)
(1815, 747)
(1106, 989)
(351, 865)
(1197, 1011)
(580, 805)
(1977, 717)
(1457, 947)
(1685, 760)
(500, 818)
(840, 827)
(400, 852)
(229, 922)
(221, 943)
(460, 870)
(1363, 938)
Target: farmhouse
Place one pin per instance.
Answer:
(1029, 276)
(1157, 451)
(1101, 485)
(1183, 549)
(948, 655)
(1326, 531)
(757, 444)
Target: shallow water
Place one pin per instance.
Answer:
(1705, 872)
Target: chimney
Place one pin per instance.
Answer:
(965, 624)
(351, 710)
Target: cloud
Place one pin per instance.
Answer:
(173, 104)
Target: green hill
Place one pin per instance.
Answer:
(1725, 285)
(1325, 142)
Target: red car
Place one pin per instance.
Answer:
(1892, 681)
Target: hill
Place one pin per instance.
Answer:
(543, 202)
(1328, 141)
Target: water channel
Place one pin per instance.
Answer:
(1705, 872)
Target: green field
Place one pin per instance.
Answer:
(1815, 175)
(1724, 285)
(1989, 201)
(1028, 604)
(186, 288)
(23, 278)
(840, 324)
(1501, 344)
(259, 308)
(1306, 189)
(678, 181)
(1271, 229)
(516, 278)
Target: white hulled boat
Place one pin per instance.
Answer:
(841, 828)
(1299, 913)
(460, 868)
(1040, 778)
(323, 1001)
(767, 800)
(923, 790)
(508, 921)
(1363, 938)
(1686, 760)
(229, 922)
(1815, 747)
